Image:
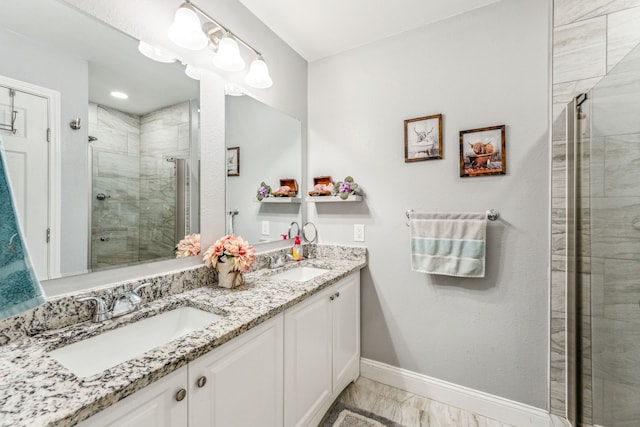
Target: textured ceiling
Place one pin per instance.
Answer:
(316, 29)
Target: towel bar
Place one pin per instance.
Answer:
(492, 214)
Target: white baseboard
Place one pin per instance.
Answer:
(478, 402)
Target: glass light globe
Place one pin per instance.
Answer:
(157, 53)
(193, 72)
(185, 30)
(258, 75)
(228, 56)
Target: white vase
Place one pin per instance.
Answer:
(227, 277)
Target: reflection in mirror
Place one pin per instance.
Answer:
(271, 150)
(310, 232)
(129, 168)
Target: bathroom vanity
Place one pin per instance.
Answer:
(280, 352)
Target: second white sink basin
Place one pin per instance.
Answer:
(300, 274)
(94, 355)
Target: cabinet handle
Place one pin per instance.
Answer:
(181, 394)
(332, 297)
(201, 381)
(337, 294)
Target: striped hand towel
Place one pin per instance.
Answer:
(451, 244)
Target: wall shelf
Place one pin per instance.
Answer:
(280, 200)
(325, 199)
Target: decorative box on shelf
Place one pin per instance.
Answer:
(322, 186)
(325, 190)
(288, 188)
(286, 193)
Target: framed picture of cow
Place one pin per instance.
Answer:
(482, 151)
(423, 138)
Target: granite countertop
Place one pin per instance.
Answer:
(37, 391)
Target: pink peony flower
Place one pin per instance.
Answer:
(188, 246)
(234, 249)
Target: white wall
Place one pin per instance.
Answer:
(487, 67)
(29, 62)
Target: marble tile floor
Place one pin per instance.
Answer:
(409, 409)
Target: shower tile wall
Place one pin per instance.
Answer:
(165, 134)
(590, 38)
(136, 222)
(116, 171)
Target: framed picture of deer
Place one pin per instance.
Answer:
(482, 151)
(423, 138)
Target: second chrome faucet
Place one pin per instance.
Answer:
(125, 302)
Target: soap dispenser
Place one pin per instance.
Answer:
(296, 252)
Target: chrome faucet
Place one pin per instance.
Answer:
(126, 302)
(100, 312)
(276, 261)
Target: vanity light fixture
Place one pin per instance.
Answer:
(119, 95)
(187, 33)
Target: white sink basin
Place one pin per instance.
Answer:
(300, 274)
(104, 351)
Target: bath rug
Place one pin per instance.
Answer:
(342, 415)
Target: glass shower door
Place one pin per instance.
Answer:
(609, 251)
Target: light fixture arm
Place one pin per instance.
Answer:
(222, 27)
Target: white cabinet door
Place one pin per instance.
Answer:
(153, 406)
(346, 331)
(307, 358)
(244, 381)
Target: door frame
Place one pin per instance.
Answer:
(54, 202)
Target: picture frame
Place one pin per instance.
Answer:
(423, 138)
(483, 152)
(233, 161)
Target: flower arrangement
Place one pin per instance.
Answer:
(188, 246)
(345, 188)
(231, 249)
(263, 191)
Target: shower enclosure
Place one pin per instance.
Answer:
(604, 286)
(144, 176)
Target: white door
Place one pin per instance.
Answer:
(307, 359)
(346, 331)
(240, 384)
(161, 404)
(27, 152)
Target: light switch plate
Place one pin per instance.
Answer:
(265, 228)
(358, 232)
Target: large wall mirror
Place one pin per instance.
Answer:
(128, 172)
(265, 145)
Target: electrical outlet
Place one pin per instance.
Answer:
(265, 228)
(358, 232)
